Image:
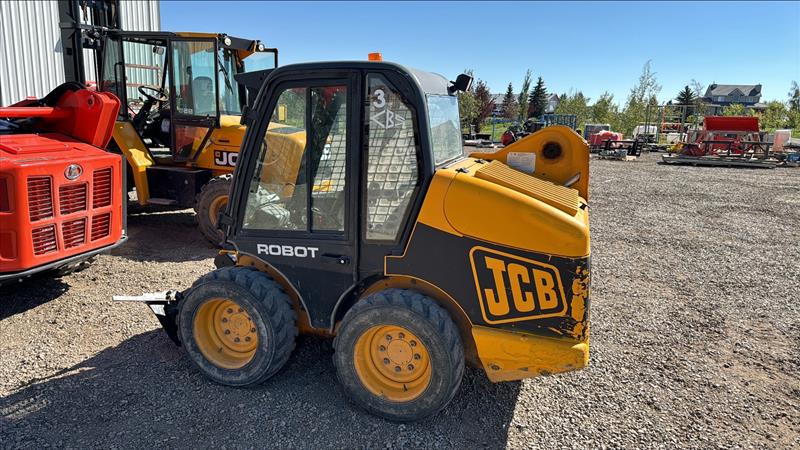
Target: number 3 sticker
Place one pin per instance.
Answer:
(380, 100)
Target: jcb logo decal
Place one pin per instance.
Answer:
(513, 289)
(225, 158)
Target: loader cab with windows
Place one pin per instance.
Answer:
(179, 126)
(355, 213)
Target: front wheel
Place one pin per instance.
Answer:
(212, 199)
(237, 326)
(399, 355)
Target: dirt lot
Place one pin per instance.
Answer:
(695, 331)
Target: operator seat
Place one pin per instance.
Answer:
(203, 96)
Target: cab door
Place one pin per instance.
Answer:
(301, 177)
(392, 170)
(195, 99)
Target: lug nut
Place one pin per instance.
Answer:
(401, 335)
(397, 368)
(224, 320)
(227, 331)
(236, 340)
(386, 360)
(252, 330)
(388, 337)
(246, 338)
(382, 348)
(417, 356)
(230, 310)
(410, 367)
(413, 343)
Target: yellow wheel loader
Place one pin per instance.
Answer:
(354, 213)
(179, 127)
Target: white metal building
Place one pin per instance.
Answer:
(31, 63)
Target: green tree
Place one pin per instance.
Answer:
(775, 117)
(575, 103)
(688, 100)
(467, 105)
(699, 110)
(510, 107)
(522, 97)
(685, 97)
(642, 93)
(735, 109)
(605, 110)
(794, 97)
(467, 109)
(537, 102)
(484, 103)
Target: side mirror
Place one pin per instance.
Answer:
(462, 84)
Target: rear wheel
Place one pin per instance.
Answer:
(237, 326)
(399, 355)
(212, 199)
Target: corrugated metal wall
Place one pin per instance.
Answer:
(31, 63)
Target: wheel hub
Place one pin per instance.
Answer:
(225, 334)
(392, 362)
(216, 206)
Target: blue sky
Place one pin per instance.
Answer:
(592, 47)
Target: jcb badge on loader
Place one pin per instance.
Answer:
(355, 214)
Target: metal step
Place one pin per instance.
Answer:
(162, 201)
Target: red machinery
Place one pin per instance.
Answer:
(725, 136)
(60, 193)
(597, 140)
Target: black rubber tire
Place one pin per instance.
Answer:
(216, 187)
(423, 317)
(269, 308)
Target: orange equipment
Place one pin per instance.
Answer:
(60, 193)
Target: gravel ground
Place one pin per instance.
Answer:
(695, 331)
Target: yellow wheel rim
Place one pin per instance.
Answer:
(216, 206)
(392, 363)
(225, 334)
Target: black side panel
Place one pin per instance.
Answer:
(499, 286)
(314, 267)
(177, 183)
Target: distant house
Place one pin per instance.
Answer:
(498, 105)
(719, 96)
(552, 103)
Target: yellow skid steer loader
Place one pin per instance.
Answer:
(354, 213)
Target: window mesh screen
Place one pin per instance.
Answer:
(392, 159)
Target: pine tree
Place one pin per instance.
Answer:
(686, 97)
(537, 103)
(510, 107)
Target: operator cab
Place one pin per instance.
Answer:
(176, 88)
(334, 170)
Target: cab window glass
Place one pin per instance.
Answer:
(229, 64)
(328, 142)
(144, 67)
(445, 132)
(391, 159)
(193, 70)
(305, 140)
